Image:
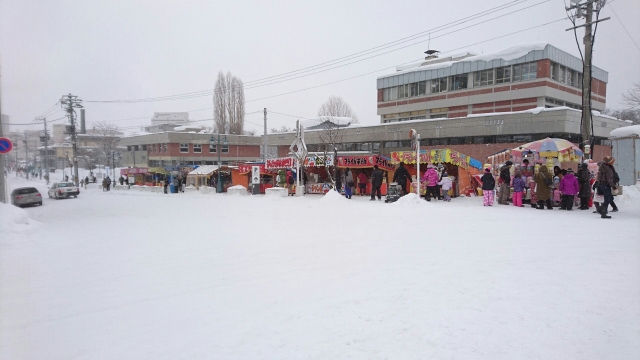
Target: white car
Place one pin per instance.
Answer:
(63, 190)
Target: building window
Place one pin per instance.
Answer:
(197, 148)
(526, 71)
(213, 148)
(554, 71)
(184, 148)
(225, 148)
(503, 75)
(403, 91)
(144, 147)
(438, 85)
(165, 147)
(483, 78)
(459, 82)
(438, 116)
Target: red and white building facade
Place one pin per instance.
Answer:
(516, 79)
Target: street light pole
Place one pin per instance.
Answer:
(217, 143)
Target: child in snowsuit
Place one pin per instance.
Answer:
(430, 177)
(446, 184)
(488, 184)
(518, 189)
(569, 187)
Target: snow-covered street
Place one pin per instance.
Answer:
(136, 275)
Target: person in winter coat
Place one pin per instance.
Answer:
(505, 180)
(488, 184)
(446, 184)
(362, 183)
(376, 183)
(121, 179)
(430, 178)
(401, 176)
(108, 183)
(569, 187)
(348, 180)
(290, 181)
(606, 184)
(543, 190)
(104, 184)
(585, 187)
(518, 189)
(165, 185)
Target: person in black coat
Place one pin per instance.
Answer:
(376, 183)
(488, 184)
(584, 176)
(505, 176)
(401, 176)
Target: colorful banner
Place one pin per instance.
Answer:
(319, 188)
(318, 161)
(133, 171)
(280, 163)
(365, 161)
(246, 168)
(435, 156)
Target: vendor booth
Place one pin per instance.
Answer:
(364, 164)
(458, 166)
(315, 166)
(243, 176)
(136, 176)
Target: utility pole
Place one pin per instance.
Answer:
(586, 10)
(26, 154)
(46, 147)
(264, 150)
(69, 102)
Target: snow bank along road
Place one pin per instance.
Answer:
(133, 275)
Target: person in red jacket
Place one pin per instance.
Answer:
(362, 183)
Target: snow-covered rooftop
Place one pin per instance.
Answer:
(633, 130)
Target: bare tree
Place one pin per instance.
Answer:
(91, 157)
(632, 97)
(336, 106)
(624, 114)
(108, 137)
(283, 129)
(228, 104)
(331, 137)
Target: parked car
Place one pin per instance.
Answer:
(26, 196)
(63, 190)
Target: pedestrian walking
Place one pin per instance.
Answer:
(606, 184)
(376, 183)
(569, 187)
(544, 181)
(348, 179)
(518, 189)
(488, 186)
(505, 180)
(108, 183)
(165, 185)
(401, 176)
(104, 184)
(446, 185)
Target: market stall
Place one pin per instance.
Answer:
(243, 176)
(364, 164)
(136, 176)
(315, 166)
(201, 176)
(457, 165)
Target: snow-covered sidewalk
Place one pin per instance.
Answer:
(137, 275)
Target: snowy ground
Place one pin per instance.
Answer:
(136, 275)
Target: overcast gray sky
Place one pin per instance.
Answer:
(106, 50)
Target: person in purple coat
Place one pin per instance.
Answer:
(569, 187)
(518, 189)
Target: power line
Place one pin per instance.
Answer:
(263, 82)
(624, 27)
(32, 123)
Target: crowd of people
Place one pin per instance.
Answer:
(542, 189)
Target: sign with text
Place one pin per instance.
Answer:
(365, 161)
(255, 175)
(280, 163)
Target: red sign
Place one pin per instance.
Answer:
(133, 171)
(246, 168)
(5, 145)
(280, 163)
(364, 161)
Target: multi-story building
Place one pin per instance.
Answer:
(175, 118)
(26, 144)
(516, 79)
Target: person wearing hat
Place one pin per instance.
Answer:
(543, 181)
(505, 181)
(606, 184)
(431, 179)
(488, 185)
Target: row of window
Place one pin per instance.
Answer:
(513, 73)
(174, 163)
(197, 148)
(551, 102)
(374, 147)
(565, 75)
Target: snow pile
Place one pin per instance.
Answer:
(333, 197)
(631, 193)
(410, 200)
(237, 190)
(13, 219)
(633, 130)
